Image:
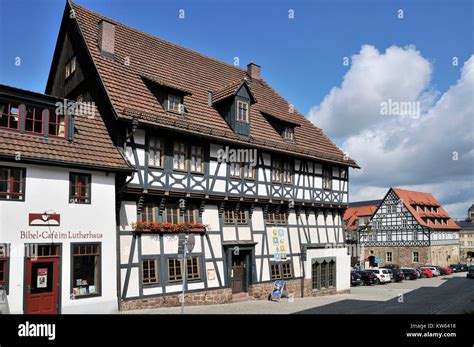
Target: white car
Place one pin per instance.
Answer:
(434, 270)
(382, 274)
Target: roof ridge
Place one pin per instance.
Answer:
(238, 68)
(412, 191)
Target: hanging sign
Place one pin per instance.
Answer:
(44, 219)
(279, 244)
(42, 278)
(277, 291)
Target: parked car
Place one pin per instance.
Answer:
(463, 267)
(409, 273)
(418, 272)
(382, 274)
(470, 272)
(433, 269)
(355, 279)
(396, 274)
(454, 267)
(368, 277)
(445, 270)
(425, 272)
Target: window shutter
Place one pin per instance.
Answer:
(22, 117)
(46, 122)
(70, 128)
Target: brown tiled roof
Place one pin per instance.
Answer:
(352, 215)
(91, 147)
(161, 60)
(228, 90)
(411, 199)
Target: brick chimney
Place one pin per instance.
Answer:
(107, 39)
(253, 70)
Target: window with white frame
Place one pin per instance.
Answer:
(242, 111)
(389, 257)
(416, 257)
(175, 103)
(196, 159)
(179, 156)
(327, 177)
(404, 223)
(155, 152)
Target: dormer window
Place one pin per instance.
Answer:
(242, 111)
(288, 133)
(175, 103)
(70, 67)
(9, 115)
(34, 120)
(56, 125)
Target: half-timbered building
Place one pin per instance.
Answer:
(410, 228)
(356, 218)
(58, 172)
(218, 154)
(466, 237)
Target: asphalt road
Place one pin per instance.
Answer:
(455, 295)
(445, 294)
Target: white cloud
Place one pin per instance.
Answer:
(400, 74)
(394, 151)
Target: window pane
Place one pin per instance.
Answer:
(80, 188)
(86, 276)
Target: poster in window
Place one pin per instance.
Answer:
(279, 244)
(42, 278)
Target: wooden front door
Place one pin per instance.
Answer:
(239, 272)
(42, 285)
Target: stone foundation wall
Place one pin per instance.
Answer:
(444, 255)
(402, 256)
(210, 297)
(259, 291)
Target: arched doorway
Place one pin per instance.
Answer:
(372, 261)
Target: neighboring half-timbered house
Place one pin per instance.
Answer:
(356, 218)
(220, 155)
(410, 228)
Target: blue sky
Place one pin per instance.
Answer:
(302, 58)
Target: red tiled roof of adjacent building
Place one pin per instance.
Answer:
(353, 214)
(91, 147)
(412, 199)
(160, 60)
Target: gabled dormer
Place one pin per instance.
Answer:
(234, 103)
(170, 96)
(285, 127)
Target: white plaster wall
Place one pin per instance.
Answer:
(47, 189)
(342, 264)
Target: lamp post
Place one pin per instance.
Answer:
(185, 270)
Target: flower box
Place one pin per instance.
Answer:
(157, 227)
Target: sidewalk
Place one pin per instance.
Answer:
(285, 306)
